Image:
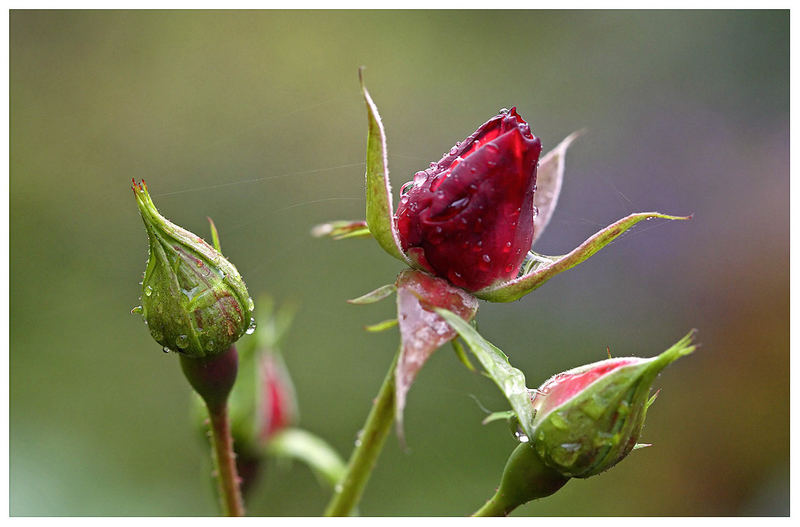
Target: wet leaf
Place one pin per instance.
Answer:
(422, 331)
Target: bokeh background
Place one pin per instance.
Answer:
(255, 119)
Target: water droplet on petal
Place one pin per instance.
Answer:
(136, 310)
(148, 290)
(182, 342)
(252, 327)
(165, 349)
(503, 111)
(250, 304)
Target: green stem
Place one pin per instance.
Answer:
(370, 442)
(225, 460)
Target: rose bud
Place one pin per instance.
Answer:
(193, 300)
(469, 217)
(589, 418)
(278, 402)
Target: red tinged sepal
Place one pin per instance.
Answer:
(470, 217)
(422, 330)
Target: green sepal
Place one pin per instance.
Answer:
(549, 177)
(380, 214)
(499, 416)
(462, 355)
(341, 229)
(519, 287)
(509, 379)
(375, 295)
(381, 326)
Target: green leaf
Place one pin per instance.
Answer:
(519, 287)
(510, 380)
(295, 443)
(549, 177)
(381, 326)
(380, 216)
(374, 296)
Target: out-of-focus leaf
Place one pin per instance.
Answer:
(312, 450)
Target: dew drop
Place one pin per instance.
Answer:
(503, 111)
(250, 304)
(210, 345)
(182, 342)
(165, 349)
(148, 291)
(453, 151)
(252, 327)
(136, 310)
(521, 436)
(486, 258)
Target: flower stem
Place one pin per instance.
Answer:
(496, 506)
(213, 378)
(225, 461)
(370, 442)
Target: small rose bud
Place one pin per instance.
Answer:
(193, 300)
(278, 403)
(589, 418)
(469, 217)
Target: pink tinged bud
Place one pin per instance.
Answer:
(278, 404)
(422, 330)
(589, 418)
(469, 218)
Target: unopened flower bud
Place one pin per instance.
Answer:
(469, 217)
(590, 417)
(193, 300)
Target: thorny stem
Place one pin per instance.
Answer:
(370, 442)
(225, 461)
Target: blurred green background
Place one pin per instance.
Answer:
(255, 119)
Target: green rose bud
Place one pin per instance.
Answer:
(193, 300)
(589, 418)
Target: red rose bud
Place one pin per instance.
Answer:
(469, 217)
(589, 418)
(193, 300)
